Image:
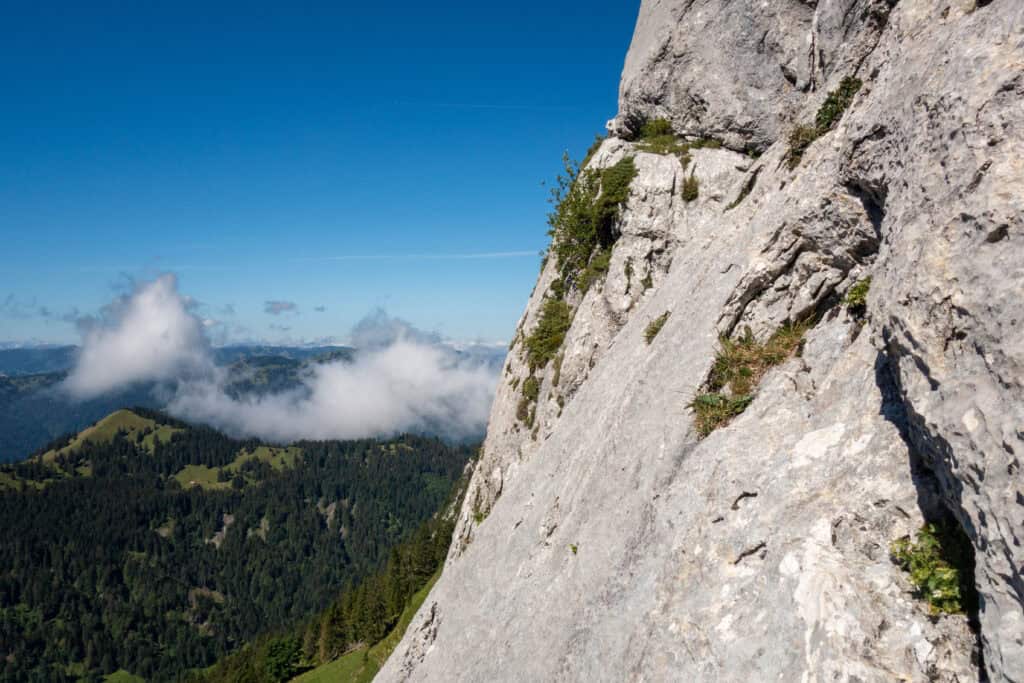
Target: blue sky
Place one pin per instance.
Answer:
(341, 156)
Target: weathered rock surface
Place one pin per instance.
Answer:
(605, 541)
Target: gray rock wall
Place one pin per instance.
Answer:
(606, 541)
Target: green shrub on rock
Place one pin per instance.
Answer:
(941, 567)
(546, 339)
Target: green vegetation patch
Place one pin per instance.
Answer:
(831, 111)
(587, 205)
(122, 676)
(941, 567)
(856, 299)
(213, 478)
(347, 668)
(691, 187)
(738, 369)
(654, 327)
(596, 269)
(123, 421)
(837, 102)
(657, 137)
(546, 339)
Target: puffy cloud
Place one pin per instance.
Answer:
(147, 335)
(401, 379)
(279, 307)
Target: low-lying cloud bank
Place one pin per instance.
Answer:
(401, 379)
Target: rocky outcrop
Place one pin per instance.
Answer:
(602, 539)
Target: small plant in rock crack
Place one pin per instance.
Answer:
(836, 103)
(654, 327)
(738, 368)
(856, 299)
(574, 548)
(691, 187)
(941, 567)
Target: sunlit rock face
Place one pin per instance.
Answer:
(606, 540)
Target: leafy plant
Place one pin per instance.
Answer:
(739, 366)
(856, 299)
(654, 327)
(941, 567)
(691, 187)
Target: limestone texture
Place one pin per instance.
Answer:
(601, 539)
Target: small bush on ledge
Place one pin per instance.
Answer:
(739, 366)
(654, 327)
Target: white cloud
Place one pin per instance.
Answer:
(402, 379)
(145, 336)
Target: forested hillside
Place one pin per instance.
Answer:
(152, 546)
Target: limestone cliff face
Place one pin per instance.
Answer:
(602, 539)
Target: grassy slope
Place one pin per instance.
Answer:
(102, 432)
(122, 676)
(206, 477)
(343, 669)
(351, 668)
(105, 430)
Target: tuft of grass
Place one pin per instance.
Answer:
(800, 138)
(654, 327)
(739, 366)
(856, 299)
(546, 339)
(941, 567)
(655, 128)
(691, 187)
(712, 410)
(574, 548)
(836, 103)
